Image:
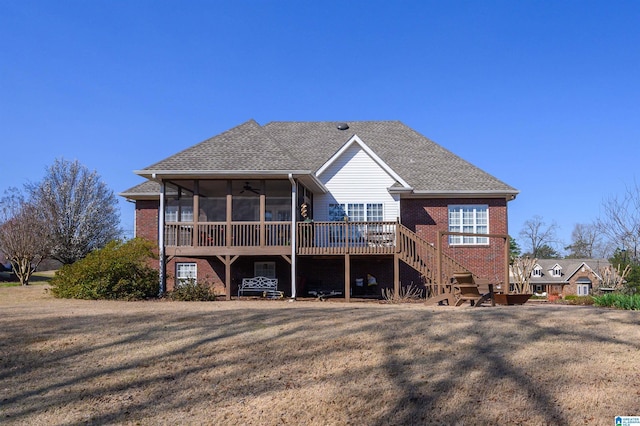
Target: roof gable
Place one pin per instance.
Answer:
(355, 140)
(422, 164)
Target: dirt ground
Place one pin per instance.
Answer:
(70, 362)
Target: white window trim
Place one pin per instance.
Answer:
(364, 206)
(194, 273)
(468, 241)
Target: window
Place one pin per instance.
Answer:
(557, 271)
(582, 289)
(264, 269)
(186, 272)
(536, 272)
(357, 212)
(374, 212)
(471, 219)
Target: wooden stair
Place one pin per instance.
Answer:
(423, 257)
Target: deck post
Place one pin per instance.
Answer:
(347, 277)
(196, 214)
(228, 233)
(396, 274)
(439, 267)
(227, 276)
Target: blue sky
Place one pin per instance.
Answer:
(544, 95)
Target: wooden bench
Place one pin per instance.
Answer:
(267, 287)
(474, 290)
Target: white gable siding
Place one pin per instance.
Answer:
(355, 177)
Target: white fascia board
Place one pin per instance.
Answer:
(509, 195)
(356, 140)
(173, 174)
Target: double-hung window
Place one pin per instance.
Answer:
(472, 219)
(186, 272)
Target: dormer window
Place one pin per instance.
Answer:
(556, 271)
(536, 271)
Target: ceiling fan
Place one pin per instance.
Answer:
(247, 187)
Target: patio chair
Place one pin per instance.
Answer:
(474, 290)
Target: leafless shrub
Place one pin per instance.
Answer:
(406, 294)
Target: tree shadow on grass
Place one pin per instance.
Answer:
(375, 365)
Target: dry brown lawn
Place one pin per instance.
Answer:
(69, 362)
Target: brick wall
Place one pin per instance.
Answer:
(428, 216)
(147, 219)
(424, 216)
(209, 270)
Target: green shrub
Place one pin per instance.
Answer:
(620, 301)
(120, 270)
(192, 291)
(573, 299)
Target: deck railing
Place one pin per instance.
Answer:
(313, 237)
(346, 237)
(222, 234)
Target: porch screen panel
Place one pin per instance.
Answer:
(246, 201)
(277, 200)
(213, 201)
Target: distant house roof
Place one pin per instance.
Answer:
(569, 268)
(302, 148)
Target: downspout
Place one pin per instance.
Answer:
(294, 209)
(162, 277)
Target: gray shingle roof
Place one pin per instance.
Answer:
(245, 147)
(422, 163)
(569, 268)
(147, 188)
(287, 146)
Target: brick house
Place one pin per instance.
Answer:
(322, 206)
(567, 276)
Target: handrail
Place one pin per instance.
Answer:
(423, 257)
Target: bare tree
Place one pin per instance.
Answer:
(537, 234)
(621, 220)
(80, 209)
(586, 242)
(614, 278)
(520, 271)
(23, 235)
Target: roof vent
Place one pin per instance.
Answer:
(342, 126)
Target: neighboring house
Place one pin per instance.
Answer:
(322, 206)
(567, 276)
